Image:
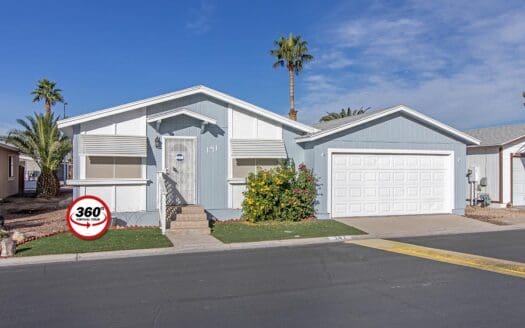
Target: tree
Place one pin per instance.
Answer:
(292, 53)
(41, 139)
(343, 113)
(46, 90)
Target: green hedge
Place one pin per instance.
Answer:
(280, 194)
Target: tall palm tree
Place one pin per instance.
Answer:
(41, 139)
(343, 113)
(46, 90)
(292, 53)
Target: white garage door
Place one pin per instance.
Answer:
(518, 181)
(390, 184)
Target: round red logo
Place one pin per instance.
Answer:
(88, 217)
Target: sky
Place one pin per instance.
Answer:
(461, 62)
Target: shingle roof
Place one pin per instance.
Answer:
(340, 121)
(498, 135)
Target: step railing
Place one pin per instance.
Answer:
(162, 196)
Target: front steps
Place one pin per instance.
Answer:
(190, 219)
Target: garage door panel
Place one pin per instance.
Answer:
(389, 184)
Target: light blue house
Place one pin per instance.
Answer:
(197, 145)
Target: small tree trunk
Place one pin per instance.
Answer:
(293, 113)
(47, 185)
(48, 107)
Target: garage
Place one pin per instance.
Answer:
(400, 183)
(518, 180)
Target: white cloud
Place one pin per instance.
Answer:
(461, 65)
(200, 19)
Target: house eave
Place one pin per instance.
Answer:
(400, 108)
(183, 93)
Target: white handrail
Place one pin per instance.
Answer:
(162, 199)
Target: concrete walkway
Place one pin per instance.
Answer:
(422, 225)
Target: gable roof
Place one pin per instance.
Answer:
(342, 124)
(70, 121)
(498, 135)
(8, 147)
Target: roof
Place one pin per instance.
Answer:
(498, 135)
(342, 124)
(70, 121)
(8, 147)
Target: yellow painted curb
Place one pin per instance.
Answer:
(516, 269)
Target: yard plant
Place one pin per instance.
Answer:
(41, 139)
(280, 194)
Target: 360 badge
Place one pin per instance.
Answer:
(88, 217)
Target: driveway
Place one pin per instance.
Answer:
(421, 225)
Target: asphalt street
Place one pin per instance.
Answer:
(329, 285)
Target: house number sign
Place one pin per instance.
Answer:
(88, 217)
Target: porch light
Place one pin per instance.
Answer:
(158, 143)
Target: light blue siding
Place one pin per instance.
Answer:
(212, 148)
(394, 132)
(293, 149)
(76, 158)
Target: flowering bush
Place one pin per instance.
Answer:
(281, 194)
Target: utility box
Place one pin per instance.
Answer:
(473, 175)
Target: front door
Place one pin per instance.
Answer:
(180, 167)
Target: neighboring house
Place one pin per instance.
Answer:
(8, 170)
(390, 162)
(31, 171)
(500, 158)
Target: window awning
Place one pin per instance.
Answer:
(112, 145)
(257, 148)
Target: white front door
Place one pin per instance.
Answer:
(180, 167)
(390, 184)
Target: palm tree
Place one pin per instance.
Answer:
(41, 139)
(343, 113)
(291, 52)
(46, 90)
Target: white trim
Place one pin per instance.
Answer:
(177, 112)
(194, 138)
(9, 147)
(229, 157)
(106, 182)
(373, 117)
(380, 151)
(179, 94)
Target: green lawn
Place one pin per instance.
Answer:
(113, 240)
(235, 232)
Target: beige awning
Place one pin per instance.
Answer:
(257, 148)
(112, 145)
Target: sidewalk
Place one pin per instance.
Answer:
(178, 248)
(388, 227)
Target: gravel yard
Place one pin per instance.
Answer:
(36, 217)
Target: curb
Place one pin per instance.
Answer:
(92, 256)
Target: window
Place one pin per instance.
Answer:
(101, 167)
(242, 167)
(11, 166)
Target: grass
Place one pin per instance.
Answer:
(113, 240)
(236, 232)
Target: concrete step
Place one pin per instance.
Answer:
(193, 231)
(191, 209)
(189, 224)
(191, 217)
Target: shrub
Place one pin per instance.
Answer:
(280, 194)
